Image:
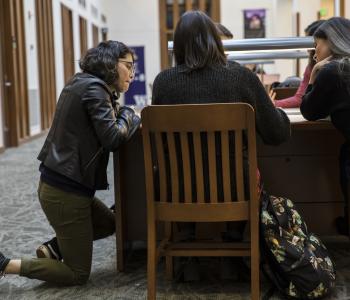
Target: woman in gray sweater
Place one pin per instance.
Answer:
(203, 75)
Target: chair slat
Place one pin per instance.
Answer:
(161, 167)
(239, 165)
(212, 167)
(174, 173)
(199, 166)
(226, 165)
(186, 166)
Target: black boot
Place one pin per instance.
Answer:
(4, 261)
(49, 249)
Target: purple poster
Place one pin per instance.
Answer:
(136, 95)
(254, 23)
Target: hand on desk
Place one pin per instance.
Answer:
(272, 95)
(137, 109)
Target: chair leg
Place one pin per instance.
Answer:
(255, 278)
(168, 259)
(151, 262)
(255, 257)
(347, 219)
(169, 269)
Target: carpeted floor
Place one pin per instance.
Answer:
(23, 227)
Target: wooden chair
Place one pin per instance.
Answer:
(173, 154)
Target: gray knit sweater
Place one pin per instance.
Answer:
(220, 84)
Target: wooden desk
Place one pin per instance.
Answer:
(304, 169)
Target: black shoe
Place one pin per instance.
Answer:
(49, 249)
(4, 261)
(342, 225)
(112, 208)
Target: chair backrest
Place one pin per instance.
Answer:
(195, 158)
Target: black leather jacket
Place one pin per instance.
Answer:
(87, 125)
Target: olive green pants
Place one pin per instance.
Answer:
(77, 221)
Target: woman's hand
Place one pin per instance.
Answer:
(272, 95)
(318, 67)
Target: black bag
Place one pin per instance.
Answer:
(296, 261)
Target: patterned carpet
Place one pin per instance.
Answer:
(23, 227)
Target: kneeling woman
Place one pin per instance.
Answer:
(87, 125)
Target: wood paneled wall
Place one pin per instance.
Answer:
(83, 36)
(46, 61)
(16, 108)
(68, 47)
(95, 38)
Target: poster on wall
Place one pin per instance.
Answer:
(136, 95)
(254, 23)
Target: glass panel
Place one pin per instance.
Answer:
(34, 111)
(170, 37)
(169, 15)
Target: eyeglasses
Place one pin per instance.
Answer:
(129, 65)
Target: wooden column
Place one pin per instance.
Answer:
(188, 5)
(176, 13)
(16, 108)
(83, 36)
(46, 61)
(68, 48)
(95, 38)
(342, 8)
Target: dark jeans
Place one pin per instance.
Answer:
(77, 221)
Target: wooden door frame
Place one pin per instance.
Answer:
(46, 61)
(2, 81)
(95, 35)
(14, 68)
(83, 35)
(342, 8)
(68, 42)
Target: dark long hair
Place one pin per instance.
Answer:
(101, 61)
(310, 30)
(337, 32)
(197, 43)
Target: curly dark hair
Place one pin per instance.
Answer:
(101, 60)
